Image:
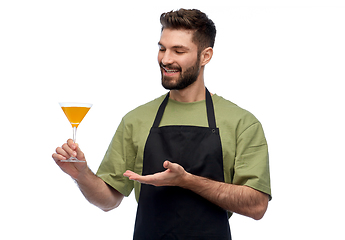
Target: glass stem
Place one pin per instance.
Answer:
(74, 133)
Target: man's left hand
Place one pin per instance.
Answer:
(173, 176)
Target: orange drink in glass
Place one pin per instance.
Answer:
(75, 113)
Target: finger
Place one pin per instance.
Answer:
(127, 173)
(166, 164)
(61, 152)
(175, 168)
(172, 166)
(58, 157)
(66, 147)
(71, 144)
(80, 155)
(136, 177)
(130, 174)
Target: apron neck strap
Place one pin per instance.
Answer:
(161, 111)
(210, 110)
(209, 107)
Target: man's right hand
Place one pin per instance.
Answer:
(67, 150)
(95, 190)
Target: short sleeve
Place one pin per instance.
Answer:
(251, 161)
(118, 158)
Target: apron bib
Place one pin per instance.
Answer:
(173, 212)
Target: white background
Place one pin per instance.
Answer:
(282, 60)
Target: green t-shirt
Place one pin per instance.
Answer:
(245, 153)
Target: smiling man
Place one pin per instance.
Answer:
(192, 157)
(172, 57)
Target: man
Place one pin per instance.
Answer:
(194, 157)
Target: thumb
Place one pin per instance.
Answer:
(166, 164)
(169, 165)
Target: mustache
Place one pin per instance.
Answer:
(170, 66)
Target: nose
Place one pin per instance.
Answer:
(165, 58)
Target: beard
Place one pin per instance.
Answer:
(186, 78)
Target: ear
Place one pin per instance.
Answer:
(206, 56)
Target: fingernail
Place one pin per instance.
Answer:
(75, 154)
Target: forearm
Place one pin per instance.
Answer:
(239, 199)
(97, 192)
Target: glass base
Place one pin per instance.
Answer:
(72, 159)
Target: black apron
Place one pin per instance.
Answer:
(173, 212)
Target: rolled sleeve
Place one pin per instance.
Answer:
(252, 161)
(118, 158)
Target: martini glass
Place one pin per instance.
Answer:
(75, 112)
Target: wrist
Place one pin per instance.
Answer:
(83, 175)
(187, 180)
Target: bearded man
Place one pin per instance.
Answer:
(192, 157)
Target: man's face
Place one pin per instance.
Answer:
(178, 59)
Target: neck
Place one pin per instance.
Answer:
(193, 93)
(187, 95)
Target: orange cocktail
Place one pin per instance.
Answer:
(75, 112)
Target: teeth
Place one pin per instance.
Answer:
(170, 71)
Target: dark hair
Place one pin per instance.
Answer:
(191, 19)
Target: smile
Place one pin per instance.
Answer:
(170, 70)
